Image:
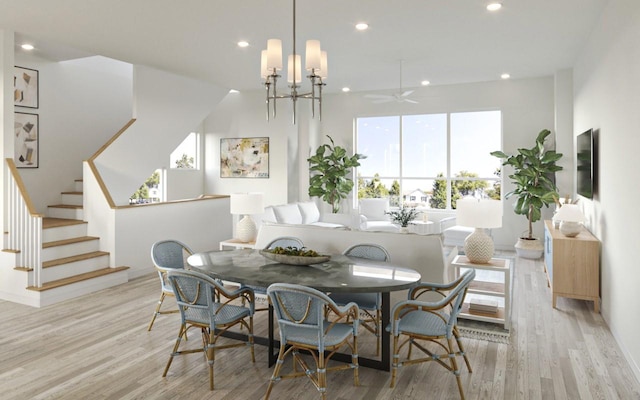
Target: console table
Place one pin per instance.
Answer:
(572, 265)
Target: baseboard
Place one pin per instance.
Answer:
(635, 368)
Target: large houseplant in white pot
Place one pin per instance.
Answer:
(330, 167)
(532, 175)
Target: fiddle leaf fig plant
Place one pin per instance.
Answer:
(532, 169)
(330, 167)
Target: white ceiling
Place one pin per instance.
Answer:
(444, 41)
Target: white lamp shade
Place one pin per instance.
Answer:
(484, 213)
(324, 66)
(274, 54)
(569, 213)
(313, 55)
(246, 203)
(298, 69)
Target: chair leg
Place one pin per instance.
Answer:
(156, 312)
(276, 371)
(322, 377)
(454, 367)
(354, 360)
(459, 342)
(378, 330)
(211, 354)
(251, 340)
(394, 363)
(182, 332)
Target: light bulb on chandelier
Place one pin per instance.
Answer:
(315, 65)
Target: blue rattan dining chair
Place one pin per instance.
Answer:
(431, 321)
(300, 314)
(369, 303)
(206, 304)
(284, 242)
(167, 255)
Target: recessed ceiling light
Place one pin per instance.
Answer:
(425, 83)
(346, 89)
(27, 46)
(505, 76)
(361, 26)
(243, 43)
(494, 6)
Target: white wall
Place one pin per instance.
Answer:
(167, 107)
(243, 115)
(82, 104)
(6, 110)
(607, 99)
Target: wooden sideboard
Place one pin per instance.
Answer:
(572, 265)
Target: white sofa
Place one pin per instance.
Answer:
(374, 217)
(423, 253)
(301, 213)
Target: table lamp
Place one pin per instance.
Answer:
(246, 204)
(570, 218)
(479, 214)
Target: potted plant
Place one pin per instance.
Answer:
(532, 172)
(403, 215)
(330, 167)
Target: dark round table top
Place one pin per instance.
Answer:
(339, 274)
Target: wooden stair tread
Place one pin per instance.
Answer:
(48, 222)
(79, 239)
(76, 278)
(79, 257)
(72, 206)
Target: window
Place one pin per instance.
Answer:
(437, 158)
(186, 154)
(151, 191)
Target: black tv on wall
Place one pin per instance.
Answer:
(586, 164)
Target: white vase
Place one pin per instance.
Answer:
(404, 229)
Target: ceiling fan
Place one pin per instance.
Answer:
(400, 96)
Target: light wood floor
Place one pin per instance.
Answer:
(98, 347)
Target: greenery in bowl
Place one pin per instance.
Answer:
(294, 251)
(403, 215)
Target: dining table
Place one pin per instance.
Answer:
(339, 273)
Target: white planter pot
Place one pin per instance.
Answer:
(529, 248)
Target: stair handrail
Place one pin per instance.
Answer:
(24, 225)
(94, 169)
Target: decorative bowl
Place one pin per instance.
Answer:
(294, 260)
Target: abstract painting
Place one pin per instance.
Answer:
(244, 157)
(26, 129)
(25, 87)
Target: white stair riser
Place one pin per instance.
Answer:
(68, 250)
(68, 213)
(64, 232)
(56, 295)
(74, 268)
(78, 186)
(72, 199)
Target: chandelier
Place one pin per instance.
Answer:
(315, 65)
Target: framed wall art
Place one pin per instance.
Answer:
(244, 157)
(25, 87)
(27, 131)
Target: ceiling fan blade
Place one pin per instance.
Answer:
(410, 101)
(378, 96)
(406, 93)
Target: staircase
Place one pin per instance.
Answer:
(72, 263)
